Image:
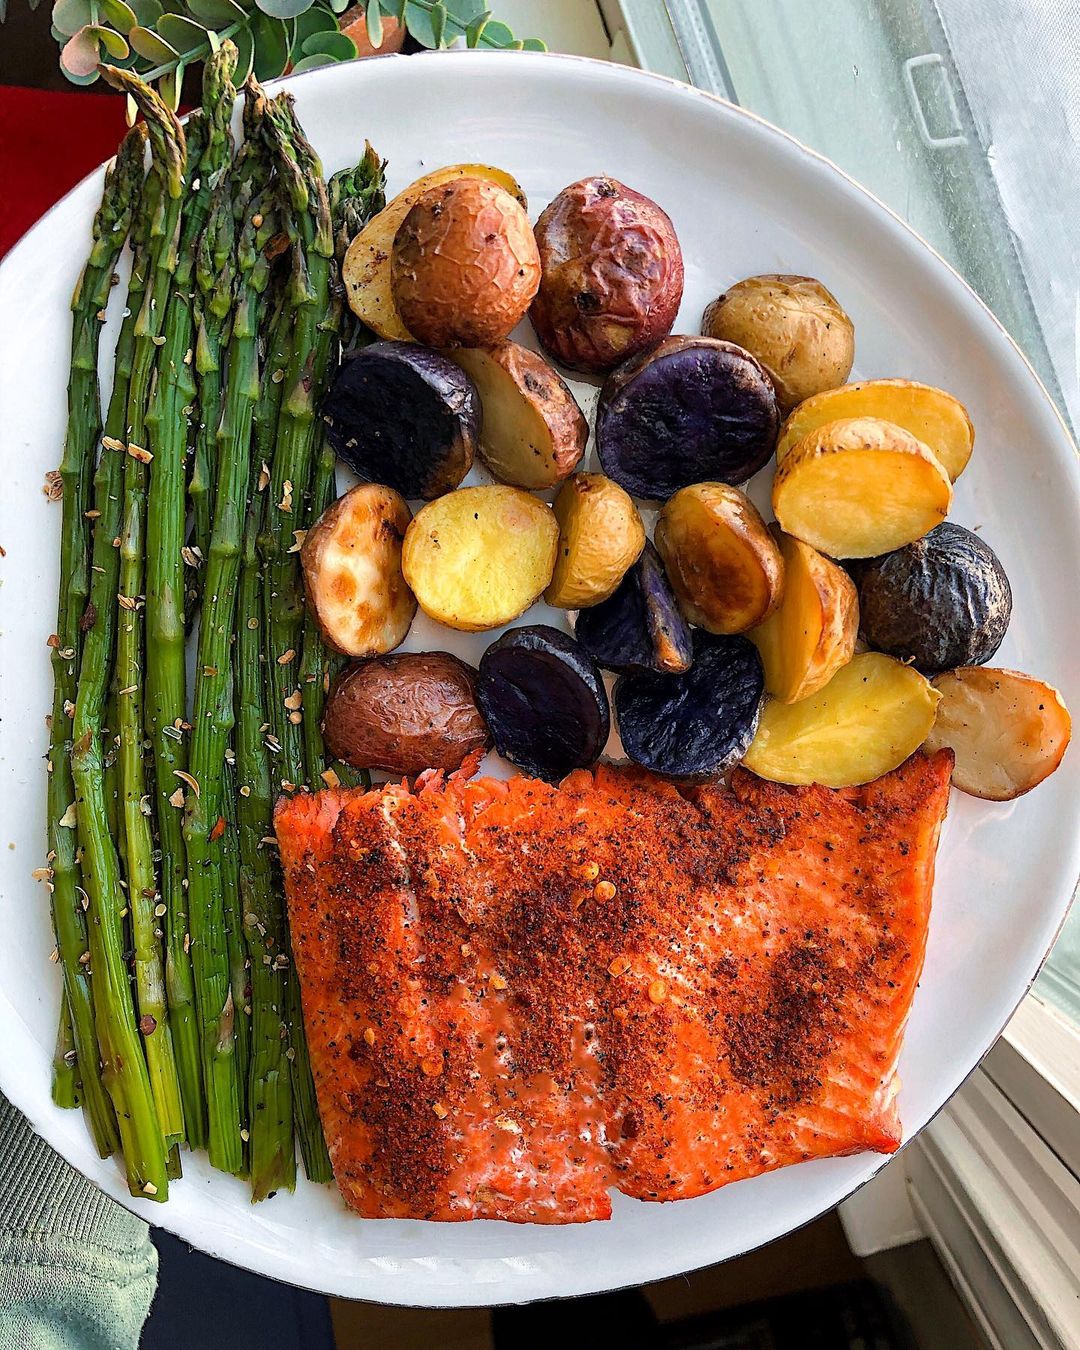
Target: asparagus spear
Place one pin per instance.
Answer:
(174, 397)
(168, 161)
(111, 225)
(65, 1074)
(356, 194)
(213, 714)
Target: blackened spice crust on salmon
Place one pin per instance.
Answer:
(519, 996)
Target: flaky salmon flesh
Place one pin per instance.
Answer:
(519, 996)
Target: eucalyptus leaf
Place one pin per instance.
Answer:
(57, 36)
(119, 15)
(147, 12)
(81, 53)
(373, 23)
(71, 15)
(314, 20)
(183, 33)
(271, 46)
(170, 85)
(438, 23)
(457, 16)
(214, 13)
(475, 29)
(313, 62)
(339, 6)
(81, 80)
(148, 44)
(497, 34)
(338, 46)
(534, 45)
(245, 48)
(284, 9)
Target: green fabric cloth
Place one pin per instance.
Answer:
(77, 1272)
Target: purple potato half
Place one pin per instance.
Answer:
(640, 627)
(405, 416)
(693, 410)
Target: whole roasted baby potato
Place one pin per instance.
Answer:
(692, 410)
(795, 328)
(601, 536)
(351, 560)
(465, 265)
(533, 433)
(405, 713)
(723, 563)
(612, 275)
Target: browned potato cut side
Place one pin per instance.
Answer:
(723, 563)
(932, 416)
(479, 557)
(366, 271)
(795, 327)
(601, 536)
(1007, 730)
(812, 633)
(859, 487)
(867, 720)
(533, 432)
(351, 560)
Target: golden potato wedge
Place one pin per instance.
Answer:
(1007, 730)
(872, 714)
(366, 271)
(812, 633)
(931, 415)
(479, 557)
(723, 564)
(601, 536)
(859, 487)
(795, 327)
(351, 561)
(533, 432)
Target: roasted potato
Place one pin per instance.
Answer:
(601, 536)
(691, 410)
(943, 601)
(723, 563)
(465, 266)
(812, 633)
(931, 415)
(405, 713)
(351, 561)
(480, 556)
(640, 627)
(872, 714)
(698, 724)
(1008, 731)
(367, 265)
(795, 328)
(859, 487)
(612, 275)
(533, 432)
(543, 698)
(399, 414)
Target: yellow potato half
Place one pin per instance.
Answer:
(479, 557)
(601, 536)
(805, 641)
(867, 720)
(931, 415)
(367, 269)
(859, 487)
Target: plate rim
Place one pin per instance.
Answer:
(658, 1269)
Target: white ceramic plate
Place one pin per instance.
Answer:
(744, 199)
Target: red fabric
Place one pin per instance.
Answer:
(48, 142)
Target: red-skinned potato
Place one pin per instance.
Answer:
(612, 275)
(351, 560)
(465, 265)
(405, 713)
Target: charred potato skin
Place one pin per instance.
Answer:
(692, 409)
(547, 395)
(640, 627)
(380, 620)
(601, 536)
(405, 713)
(723, 563)
(794, 326)
(612, 275)
(465, 265)
(941, 602)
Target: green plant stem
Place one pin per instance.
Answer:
(65, 1072)
(166, 680)
(111, 225)
(234, 927)
(213, 712)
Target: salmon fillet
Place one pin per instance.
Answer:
(518, 996)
